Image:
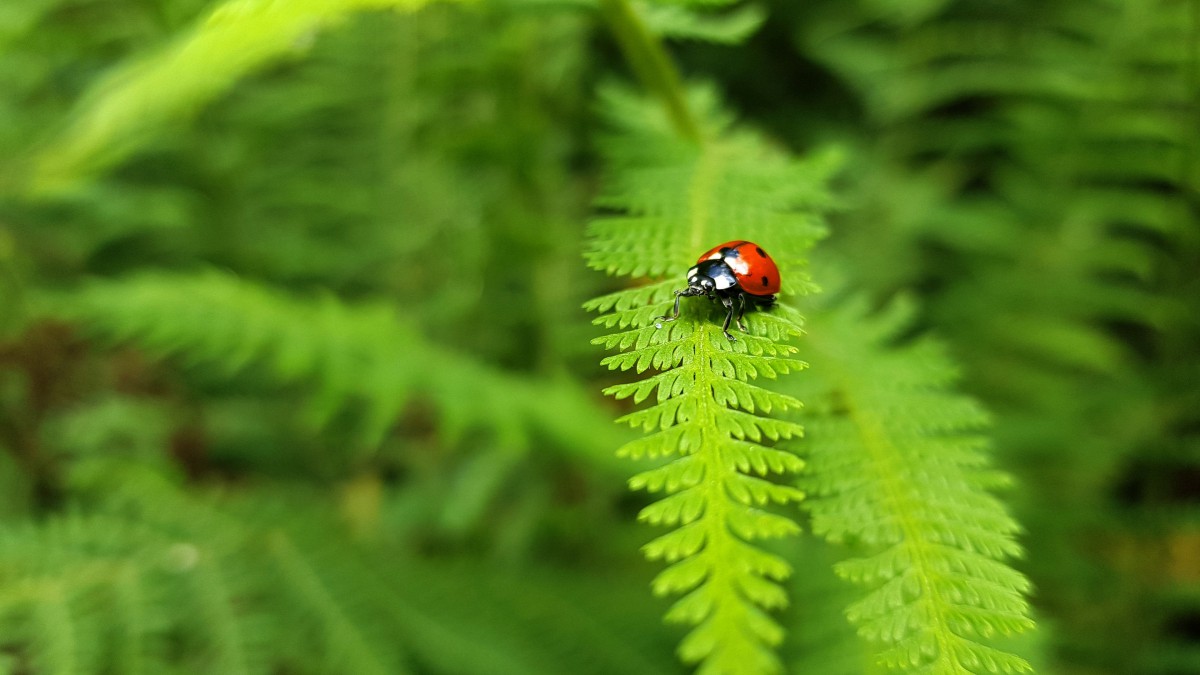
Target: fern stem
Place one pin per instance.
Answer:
(652, 65)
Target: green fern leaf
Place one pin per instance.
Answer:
(238, 37)
(102, 590)
(672, 199)
(897, 465)
(158, 581)
(1048, 237)
(361, 355)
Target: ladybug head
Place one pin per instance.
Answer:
(698, 284)
(708, 277)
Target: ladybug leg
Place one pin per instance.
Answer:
(674, 314)
(728, 302)
(741, 313)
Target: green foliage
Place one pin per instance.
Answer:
(896, 465)
(363, 356)
(829, 647)
(374, 440)
(237, 37)
(676, 22)
(286, 181)
(672, 199)
(153, 581)
(1060, 238)
(1032, 172)
(98, 591)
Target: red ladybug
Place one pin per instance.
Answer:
(737, 273)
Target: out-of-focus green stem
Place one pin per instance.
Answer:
(652, 64)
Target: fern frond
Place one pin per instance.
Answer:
(897, 465)
(238, 37)
(155, 580)
(362, 355)
(671, 200)
(85, 582)
(1057, 143)
(1079, 141)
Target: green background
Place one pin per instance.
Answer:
(308, 328)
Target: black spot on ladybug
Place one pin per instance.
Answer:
(760, 251)
(765, 281)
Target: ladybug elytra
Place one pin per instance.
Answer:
(737, 273)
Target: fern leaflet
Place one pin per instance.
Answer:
(672, 198)
(680, 23)
(897, 464)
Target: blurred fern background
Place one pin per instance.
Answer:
(295, 375)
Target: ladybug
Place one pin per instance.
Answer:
(738, 273)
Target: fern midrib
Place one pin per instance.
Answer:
(715, 503)
(883, 453)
